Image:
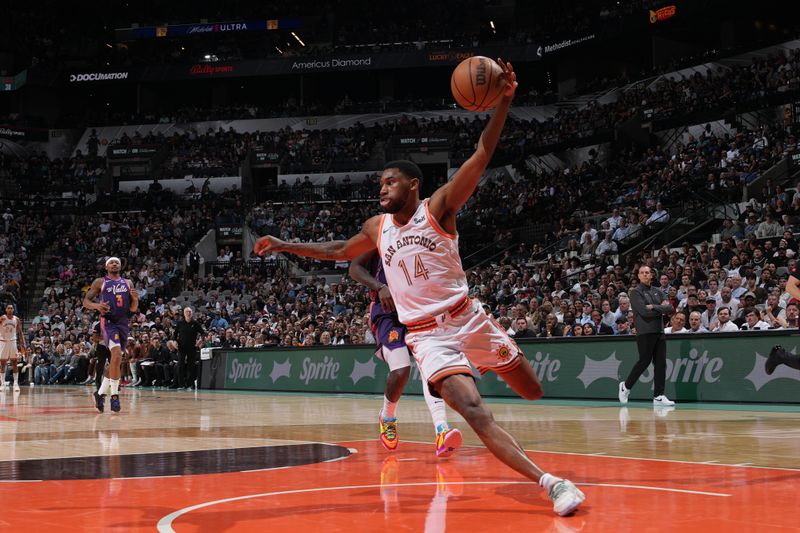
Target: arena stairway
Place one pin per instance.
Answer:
(35, 283)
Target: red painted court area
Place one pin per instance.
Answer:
(410, 490)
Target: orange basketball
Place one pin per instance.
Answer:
(477, 84)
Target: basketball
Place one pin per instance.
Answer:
(477, 84)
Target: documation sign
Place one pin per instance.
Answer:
(98, 76)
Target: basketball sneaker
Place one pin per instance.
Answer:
(624, 392)
(388, 433)
(663, 401)
(448, 440)
(16, 387)
(100, 402)
(115, 403)
(566, 497)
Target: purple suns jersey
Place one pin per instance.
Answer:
(117, 295)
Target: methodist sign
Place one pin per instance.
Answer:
(714, 367)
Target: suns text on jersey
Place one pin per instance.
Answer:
(408, 240)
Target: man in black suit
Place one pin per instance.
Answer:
(650, 306)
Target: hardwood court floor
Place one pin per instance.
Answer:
(185, 461)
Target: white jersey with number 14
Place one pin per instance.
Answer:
(422, 265)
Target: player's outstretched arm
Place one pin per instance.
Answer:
(91, 294)
(450, 197)
(359, 271)
(360, 243)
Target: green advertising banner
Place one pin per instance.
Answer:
(699, 367)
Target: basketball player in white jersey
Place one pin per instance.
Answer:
(418, 244)
(10, 334)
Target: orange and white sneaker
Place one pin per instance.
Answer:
(448, 440)
(388, 433)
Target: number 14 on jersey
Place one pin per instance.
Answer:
(419, 269)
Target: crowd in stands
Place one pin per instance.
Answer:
(716, 90)
(738, 284)
(21, 233)
(38, 175)
(219, 152)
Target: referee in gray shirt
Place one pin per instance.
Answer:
(649, 309)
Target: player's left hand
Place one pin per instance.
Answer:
(510, 77)
(385, 296)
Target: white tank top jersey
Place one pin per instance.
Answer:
(8, 331)
(422, 266)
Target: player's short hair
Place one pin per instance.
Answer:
(409, 168)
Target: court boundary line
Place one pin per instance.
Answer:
(164, 525)
(604, 455)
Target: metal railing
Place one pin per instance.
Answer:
(262, 266)
(319, 193)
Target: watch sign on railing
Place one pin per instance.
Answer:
(794, 160)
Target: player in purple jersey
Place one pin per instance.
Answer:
(390, 335)
(118, 299)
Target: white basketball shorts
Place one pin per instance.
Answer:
(455, 342)
(8, 349)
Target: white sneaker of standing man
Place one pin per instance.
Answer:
(663, 401)
(624, 392)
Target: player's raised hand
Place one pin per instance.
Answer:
(266, 244)
(510, 77)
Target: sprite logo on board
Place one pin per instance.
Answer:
(249, 370)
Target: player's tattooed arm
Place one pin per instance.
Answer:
(91, 294)
(361, 242)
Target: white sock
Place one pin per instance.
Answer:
(114, 386)
(547, 481)
(389, 408)
(16, 378)
(437, 407)
(104, 385)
